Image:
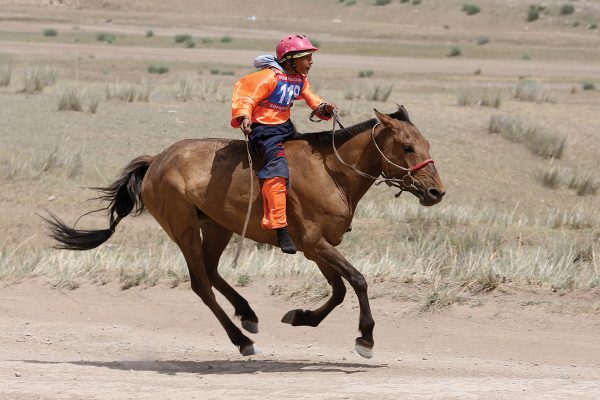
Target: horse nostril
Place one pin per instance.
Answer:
(434, 193)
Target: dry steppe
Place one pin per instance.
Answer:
(493, 293)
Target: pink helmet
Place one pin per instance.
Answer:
(294, 43)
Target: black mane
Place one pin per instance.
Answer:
(343, 135)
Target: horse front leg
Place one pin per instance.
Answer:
(301, 317)
(329, 254)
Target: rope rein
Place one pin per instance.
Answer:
(404, 183)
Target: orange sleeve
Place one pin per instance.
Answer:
(248, 91)
(311, 99)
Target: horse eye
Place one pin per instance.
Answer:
(408, 149)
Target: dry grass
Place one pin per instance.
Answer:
(70, 98)
(539, 140)
(5, 74)
(38, 77)
(528, 90)
(584, 183)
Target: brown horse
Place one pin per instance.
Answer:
(198, 191)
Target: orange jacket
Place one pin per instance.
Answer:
(266, 96)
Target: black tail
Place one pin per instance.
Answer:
(123, 196)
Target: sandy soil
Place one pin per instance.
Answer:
(159, 343)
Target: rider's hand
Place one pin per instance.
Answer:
(245, 126)
(329, 108)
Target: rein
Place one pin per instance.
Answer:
(404, 183)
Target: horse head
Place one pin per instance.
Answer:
(405, 159)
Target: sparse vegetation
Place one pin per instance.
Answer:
(158, 69)
(528, 90)
(482, 40)
(149, 33)
(382, 2)
(106, 37)
(588, 86)
(567, 9)
(226, 39)
(455, 51)
(70, 98)
(471, 9)
(537, 139)
(38, 77)
(50, 32)
(189, 43)
(186, 89)
(533, 13)
(484, 99)
(365, 73)
(128, 92)
(181, 38)
(5, 74)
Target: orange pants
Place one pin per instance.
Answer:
(273, 194)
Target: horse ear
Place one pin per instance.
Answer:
(403, 114)
(384, 119)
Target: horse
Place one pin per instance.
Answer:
(198, 190)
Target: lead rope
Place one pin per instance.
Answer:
(249, 210)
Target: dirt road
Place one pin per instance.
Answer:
(98, 342)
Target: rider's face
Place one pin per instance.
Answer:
(303, 64)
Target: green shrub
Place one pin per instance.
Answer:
(589, 86)
(106, 37)
(567, 9)
(416, 2)
(593, 25)
(158, 69)
(50, 32)
(315, 42)
(228, 73)
(189, 43)
(226, 39)
(206, 40)
(215, 71)
(365, 73)
(350, 2)
(455, 51)
(533, 13)
(482, 40)
(182, 38)
(471, 9)
(382, 2)
(149, 33)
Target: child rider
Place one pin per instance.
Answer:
(261, 104)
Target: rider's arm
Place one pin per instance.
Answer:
(247, 92)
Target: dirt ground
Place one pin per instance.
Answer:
(102, 343)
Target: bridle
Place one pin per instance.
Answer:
(404, 183)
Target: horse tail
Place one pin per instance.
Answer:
(124, 197)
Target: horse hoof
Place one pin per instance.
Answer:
(250, 326)
(250, 350)
(290, 316)
(366, 352)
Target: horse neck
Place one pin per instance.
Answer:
(360, 153)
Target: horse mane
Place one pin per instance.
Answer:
(343, 135)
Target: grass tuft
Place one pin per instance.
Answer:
(528, 90)
(455, 51)
(37, 78)
(70, 98)
(567, 9)
(106, 37)
(50, 32)
(5, 74)
(158, 69)
(537, 139)
(471, 9)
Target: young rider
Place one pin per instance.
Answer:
(261, 105)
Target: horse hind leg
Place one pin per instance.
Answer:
(214, 240)
(180, 221)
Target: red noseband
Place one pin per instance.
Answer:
(420, 165)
